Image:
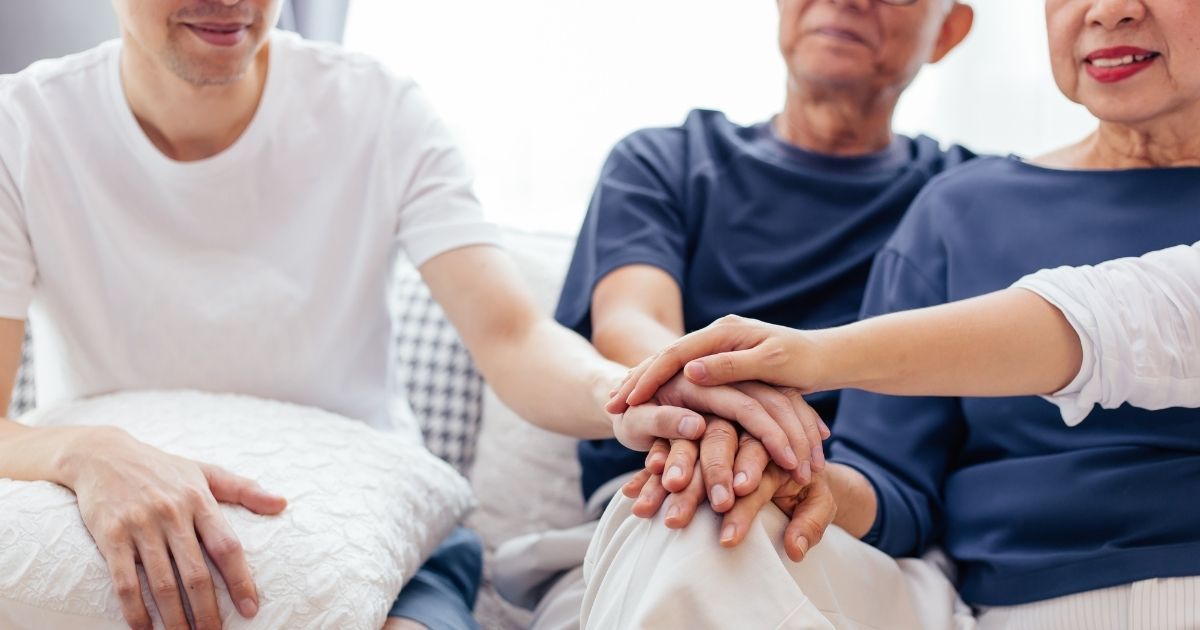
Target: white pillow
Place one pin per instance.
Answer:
(366, 509)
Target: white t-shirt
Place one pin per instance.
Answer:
(1138, 320)
(262, 270)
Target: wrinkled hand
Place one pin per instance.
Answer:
(810, 505)
(785, 425)
(730, 350)
(143, 505)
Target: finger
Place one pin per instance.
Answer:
(196, 580)
(811, 518)
(633, 487)
(227, 487)
(160, 574)
(651, 498)
(226, 552)
(640, 426)
(737, 521)
(752, 460)
(683, 505)
(717, 452)
(825, 432)
(732, 404)
(810, 423)
(782, 409)
(656, 459)
(618, 401)
(662, 367)
(726, 368)
(680, 464)
(121, 566)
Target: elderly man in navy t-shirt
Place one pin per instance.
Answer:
(778, 221)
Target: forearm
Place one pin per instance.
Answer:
(1007, 343)
(855, 497)
(553, 378)
(39, 454)
(631, 335)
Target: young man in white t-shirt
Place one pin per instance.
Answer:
(208, 204)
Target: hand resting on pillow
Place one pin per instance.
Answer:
(143, 505)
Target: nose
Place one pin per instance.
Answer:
(857, 5)
(1113, 14)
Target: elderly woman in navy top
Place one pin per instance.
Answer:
(1045, 526)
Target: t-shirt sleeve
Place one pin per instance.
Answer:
(17, 268)
(636, 216)
(1138, 320)
(903, 445)
(438, 209)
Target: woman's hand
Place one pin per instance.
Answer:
(731, 350)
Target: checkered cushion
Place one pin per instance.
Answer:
(24, 397)
(435, 372)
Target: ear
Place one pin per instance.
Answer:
(955, 28)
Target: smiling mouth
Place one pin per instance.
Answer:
(1117, 62)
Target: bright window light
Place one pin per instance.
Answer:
(538, 91)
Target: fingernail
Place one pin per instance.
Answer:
(825, 432)
(690, 426)
(806, 472)
(612, 393)
(675, 473)
(719, 495)
(818, 458)
(696, 371)
(673, 512)
(802, 544)
(248, 608)
(790, 457)
(728, 533)
(740, 479)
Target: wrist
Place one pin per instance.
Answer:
(813, 358)
(77, 447)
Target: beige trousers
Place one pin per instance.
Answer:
(640, 574)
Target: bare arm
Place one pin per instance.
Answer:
(546, 373)
(555, 379)
(636, 311)
(1007, 343)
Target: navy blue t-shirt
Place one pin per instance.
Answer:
(1029, 508)
(745, 223)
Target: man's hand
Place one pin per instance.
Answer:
(811, 508)
(144, 505)
(780, 419)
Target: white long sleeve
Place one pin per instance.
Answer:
(1139, 322)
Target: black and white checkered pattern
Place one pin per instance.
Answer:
(435, 372)
(24, 396)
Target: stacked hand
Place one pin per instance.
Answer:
(728, 463)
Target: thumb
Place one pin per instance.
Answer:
(230, 488)
(724, 368)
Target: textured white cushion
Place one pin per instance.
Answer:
(365, 510)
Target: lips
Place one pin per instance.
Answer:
(219, 34)
(1111, 65)
(842, 34)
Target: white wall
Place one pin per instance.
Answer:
(539, 90)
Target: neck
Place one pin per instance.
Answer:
(189, 122)
(837, 122)
(1169, 141)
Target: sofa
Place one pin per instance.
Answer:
(526, 479)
